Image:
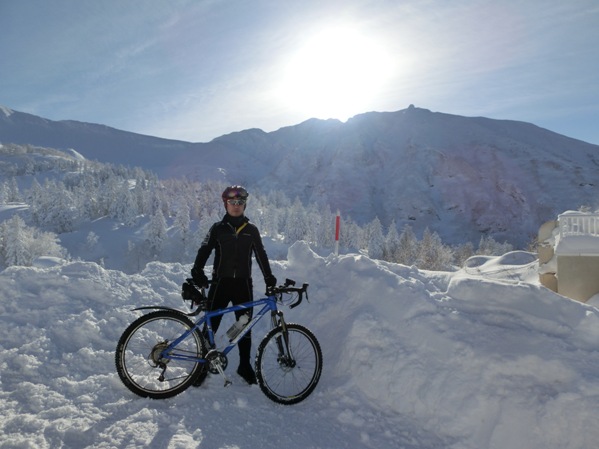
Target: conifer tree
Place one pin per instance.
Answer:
(91, 241)
(462, 253)
(15, 245)
(124, 206)
(156, 233)
(324, 227)
(14, 194)
(432, 254)
(407, 250)
(351, 235)
(391, 243)
(182, 227)
(35, 198)
(3, 193)
(21, 244)
(297, 224)
(376, 241)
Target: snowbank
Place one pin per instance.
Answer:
(480, 358)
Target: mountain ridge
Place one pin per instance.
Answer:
(459, 176)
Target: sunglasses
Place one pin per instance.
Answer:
(238, 202)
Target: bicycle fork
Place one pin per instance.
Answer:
(217, 360)
(285, 358)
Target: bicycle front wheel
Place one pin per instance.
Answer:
(288, 366)
(140, 360)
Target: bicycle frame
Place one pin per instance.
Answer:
(269, 304)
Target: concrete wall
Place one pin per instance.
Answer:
(578, 276)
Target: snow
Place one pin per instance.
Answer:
(483, 357)
(6, 111)
(578, 245)
(578, 234)
(75, 154)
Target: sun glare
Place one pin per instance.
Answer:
(335, 74)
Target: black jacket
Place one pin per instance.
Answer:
(233, 250)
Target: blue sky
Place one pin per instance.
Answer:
(195, 70)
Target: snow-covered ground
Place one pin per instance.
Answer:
(479, 358)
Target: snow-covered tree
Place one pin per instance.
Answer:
(156, 233)
(391, 243)
(376, 240)
(13, 194)
(91, 241)
(3, 193)
(15, 245)
(296, 227)
(432, 253)
(182, 225)
(270, 221)
(323, 225)
(124, 206)
(21, 244)
(462, 253)
(35, 198)
(488, 246)
(407, 250)
(59, 208)
(351, 235)
(45, 244)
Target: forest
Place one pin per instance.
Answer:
(54, 192)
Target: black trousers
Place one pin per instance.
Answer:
(235, 291)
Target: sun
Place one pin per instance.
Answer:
(336, 73)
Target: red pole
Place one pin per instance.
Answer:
(337, 228)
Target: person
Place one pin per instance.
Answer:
(233, 239)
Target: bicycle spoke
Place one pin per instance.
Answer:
(289, 377)
(142, 362)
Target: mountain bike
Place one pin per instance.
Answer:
(164, 352)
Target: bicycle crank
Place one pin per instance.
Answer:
(217, 363)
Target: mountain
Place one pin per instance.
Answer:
(459, 176)
(95, 142)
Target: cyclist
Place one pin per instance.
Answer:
(234, 239)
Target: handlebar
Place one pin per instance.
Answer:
(287, 287)
(197, 295)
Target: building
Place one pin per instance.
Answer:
(569, 255)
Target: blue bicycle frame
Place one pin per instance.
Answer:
(269, 304)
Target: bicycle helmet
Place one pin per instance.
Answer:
(234, 192)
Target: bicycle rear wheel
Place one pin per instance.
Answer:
(138, 355)
(288, 377)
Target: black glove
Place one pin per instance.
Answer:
(199, 277)
(189, 291)
(270, 281)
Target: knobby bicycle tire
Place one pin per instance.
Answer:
(137, 355)
(283, 379)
